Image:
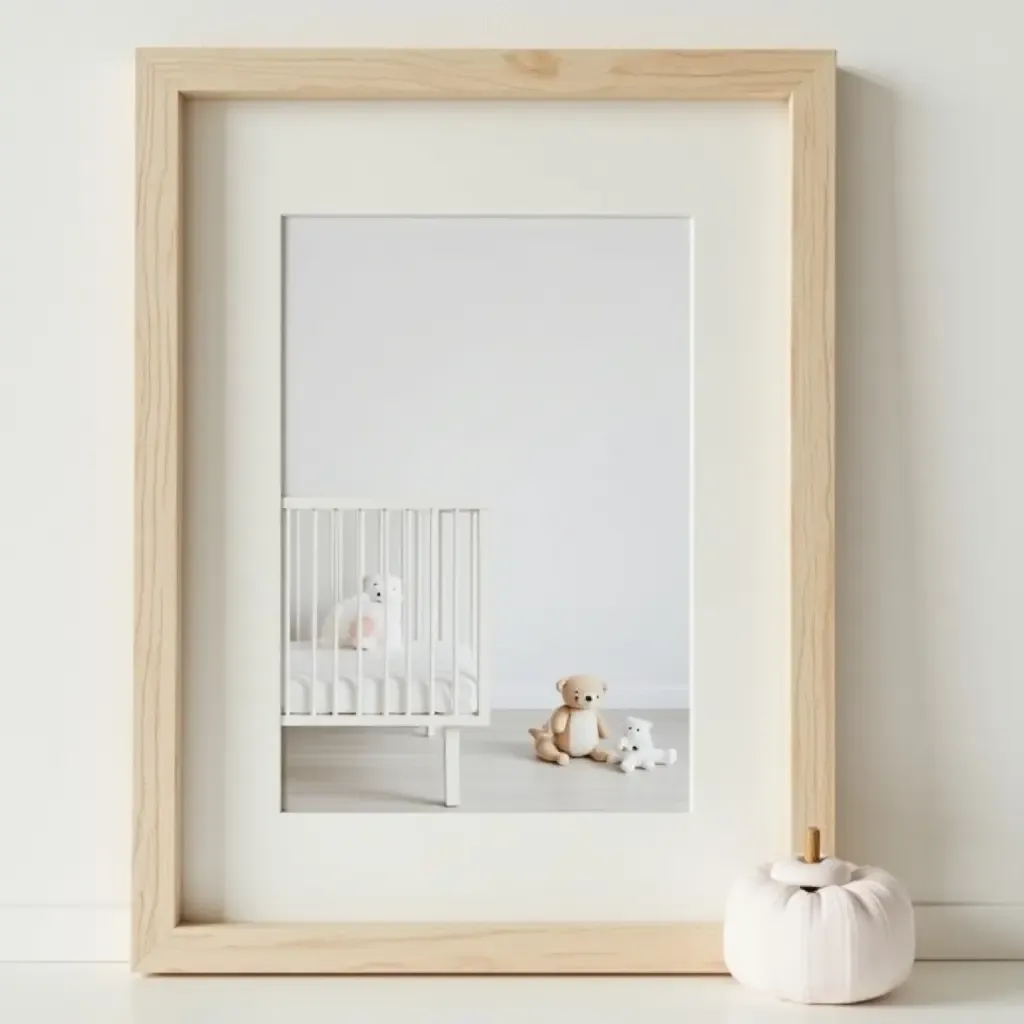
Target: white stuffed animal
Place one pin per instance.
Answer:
(369, 606)
(637, 749)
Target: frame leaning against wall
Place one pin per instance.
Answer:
(162, 943)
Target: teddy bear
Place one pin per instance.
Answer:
(637, 749)
(576, 728)
(369, 606)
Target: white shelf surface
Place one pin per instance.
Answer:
(976, 993)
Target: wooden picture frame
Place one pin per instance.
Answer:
(162, 943)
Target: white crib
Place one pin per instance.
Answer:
(434, 672)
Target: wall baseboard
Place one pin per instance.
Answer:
(623, 701)
(81, 934)
(970, 931)
(951, 931)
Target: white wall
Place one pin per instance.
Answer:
(538, 366)
(931, 555)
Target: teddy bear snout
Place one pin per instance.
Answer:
(589, 698)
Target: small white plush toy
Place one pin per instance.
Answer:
(637, 749)
(343, 620)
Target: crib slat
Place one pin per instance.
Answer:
(287, 611)
(315, 516)
(483, 667)
(455, 611)
(359, 611)
(411, 583)
(422, 523)
(431, 518)
(474, 582)
(440, 575)
(298, 585)
(387, 604)
(407, 608)
(337, 539)
(472, 574)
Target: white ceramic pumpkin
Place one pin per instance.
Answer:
(814, 930)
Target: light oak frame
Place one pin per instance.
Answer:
(166, 79)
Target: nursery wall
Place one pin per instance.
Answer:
(538, 366)
(931, 555)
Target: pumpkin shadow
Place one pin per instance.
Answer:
(947, 984)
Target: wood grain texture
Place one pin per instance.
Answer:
(165, 77)
(440, 949)
(812, 610)
(158, 474)
(485, 74)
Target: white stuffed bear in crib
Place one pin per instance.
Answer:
(368, 606)
(637, 749)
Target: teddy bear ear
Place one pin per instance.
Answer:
(560, 684)
(604, 687)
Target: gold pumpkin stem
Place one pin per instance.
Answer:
(812, 846)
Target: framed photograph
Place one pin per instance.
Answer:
(484, 504)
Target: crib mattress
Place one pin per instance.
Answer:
(322, 695)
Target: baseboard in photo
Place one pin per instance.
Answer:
(622, 697)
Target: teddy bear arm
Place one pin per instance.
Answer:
(560, 720)
(602, 728)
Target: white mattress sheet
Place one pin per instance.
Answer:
(321, 695)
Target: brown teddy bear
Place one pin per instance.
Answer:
(575, 728)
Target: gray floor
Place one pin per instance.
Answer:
(383, 770)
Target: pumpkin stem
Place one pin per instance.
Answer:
(812, 846)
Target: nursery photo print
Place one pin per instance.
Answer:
(486, 514)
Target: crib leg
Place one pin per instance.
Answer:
(451, 767)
